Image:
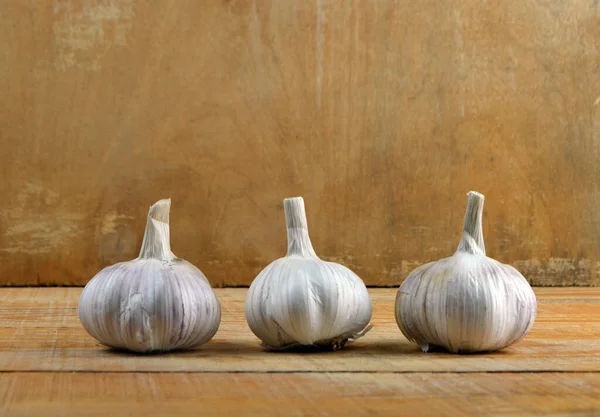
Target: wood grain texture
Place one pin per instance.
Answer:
(40, 331)
(381, 114)
(316, 394)
(50, 367)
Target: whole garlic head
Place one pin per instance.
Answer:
(301, 300)
(467, 302)
(156, 302)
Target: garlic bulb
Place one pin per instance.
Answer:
(301, 300)
(156, 302)
(467, 302)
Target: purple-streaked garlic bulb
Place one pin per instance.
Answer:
(467, 302)
(156, 302)
(301, 300)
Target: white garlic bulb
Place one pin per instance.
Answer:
(300, 300)
(156, 302)
(467, 302)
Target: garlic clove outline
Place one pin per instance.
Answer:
(154, 303)
(300, 300)
(467, 302)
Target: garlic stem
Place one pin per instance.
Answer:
(472, 236)
(156, 243)
(297, 228)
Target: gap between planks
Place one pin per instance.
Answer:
(545, 371)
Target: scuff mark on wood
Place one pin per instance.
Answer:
(84, 31)
(559, 271)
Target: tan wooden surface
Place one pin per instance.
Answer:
(313, 394)
(49, 366)
(40, 331)
(382, 114)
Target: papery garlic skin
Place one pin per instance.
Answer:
(156, 302)
(303, 300)
(467, 302)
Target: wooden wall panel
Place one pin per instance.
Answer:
(382, 114)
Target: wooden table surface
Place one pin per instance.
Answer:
(50, 366)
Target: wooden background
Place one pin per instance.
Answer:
(381, 114)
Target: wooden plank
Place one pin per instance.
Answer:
(519, 395)
(40, 331)
(381, 114)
